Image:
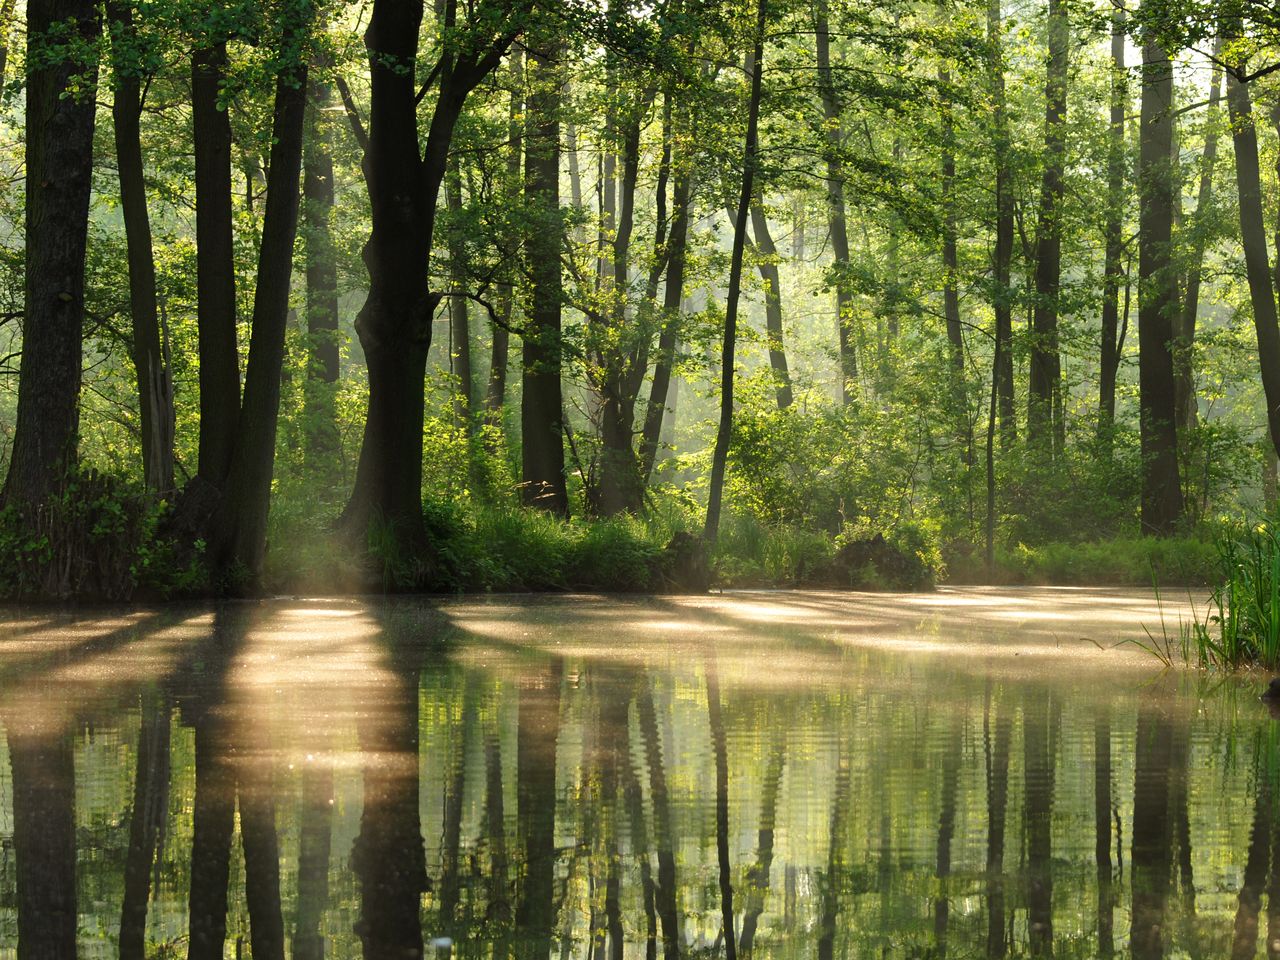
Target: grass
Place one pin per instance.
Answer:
(1241, 627)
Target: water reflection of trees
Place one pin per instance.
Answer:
(517, 804)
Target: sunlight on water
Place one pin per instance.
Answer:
(982, 773)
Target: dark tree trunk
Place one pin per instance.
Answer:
(6, 23)
(1253, 234)
(720, 454)
(663, 836)
(946, 833)
(758, 875)
(950, 270)
(997, 776)
(542, 408)
(496, 392)
(215, 266)
(151, 366)
(719, 749)
(668, 338)
(1044, 425)
(1158, 301)
(1113, 267)
(1038, 763)
(213, 815)
(1244, 943)
(314, 844)
(767, 254)
(146, 823)
(1185, 323)
(44, 837)
(1002, 255)
(318, 186)
(394, 325)
(1102, 833)
(261, 847)
(238, 536)
(836, 837)
(538, 728)
(835, 203)
(59, 168)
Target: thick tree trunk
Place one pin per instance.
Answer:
(238, 535)
(1253, 235)
(541, 412)
(44, 838)
(215, 266)
(1002, 254)
(1158, 298)
(155, 384)
(318, 185)
(1152, 856)
(213, 820)
(1045, 427)
(720, 454)
(59, 169)
(835, 204)
(1185, 323)
(767, 256)
(537, 730)
(1038, 721)
(314, 845)
(1113, 267)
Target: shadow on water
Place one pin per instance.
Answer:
(402, 779)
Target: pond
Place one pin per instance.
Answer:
(973, 772)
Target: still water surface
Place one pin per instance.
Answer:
(970, 773)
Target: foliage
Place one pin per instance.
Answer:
(1241, 626)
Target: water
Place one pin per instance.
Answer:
(975, 773)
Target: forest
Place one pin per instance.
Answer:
(606, 294)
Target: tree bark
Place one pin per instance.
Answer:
(1038, 762)
(495, 394)
(7, 8)
(59, 169)
(1152, 855)
(835, 203)
(1002, 254)
(318, 187)
(155, 383)
(950, 269)
(720, 454)
(541, 412)
(146, 822)
(459, 314)
(215, 265)
(1102, 833)
(1113, 267)
(1158, 297)
(537, 730)
(1044, 425)
(1253, 235)
(767, 260)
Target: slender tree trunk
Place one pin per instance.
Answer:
(767, 257)
(1113, 268)
(1102, 832)
(837, 835)
(1253, 235)
(318, 186)
(835, 203)
(59, 168)
(314, 845)
(238, 535)
(146, 822)
(459, 314)
(1044, 426)
(541, 413)
(1038, 730)
(719, 748)
(1158, 300)
(663, 835)
(1185, 323)
(720, 454)
(7, 8)
(950, 269)
(538, 728)
(215, 265)
(997, 776)
(155, 385)
(1002, 254)
(758, 876)
(495, 395)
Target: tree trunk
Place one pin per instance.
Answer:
(238, 535)
(1038, 763)
(837, 834)
(7, 8)
(1151, 859)
(1002, 256)
(215, 266)
(835, 204)
(155, 384)
(459, 314)
(1185, 323)
(1102, 833)
(213, 819)
(496, 392)
(758, 875)
(1253, 235)
(319, 414)
(59, 169)
(715, 719)
(541, 412)
(315, 840)
(767, 258)
(1158, 297)
(1113, 268)
(950, 269)
(997, 776)
(720, 454)
(537, 730)
(1044, 426)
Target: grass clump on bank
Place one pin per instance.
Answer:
(1241, 627)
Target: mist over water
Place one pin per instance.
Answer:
(978, 773)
